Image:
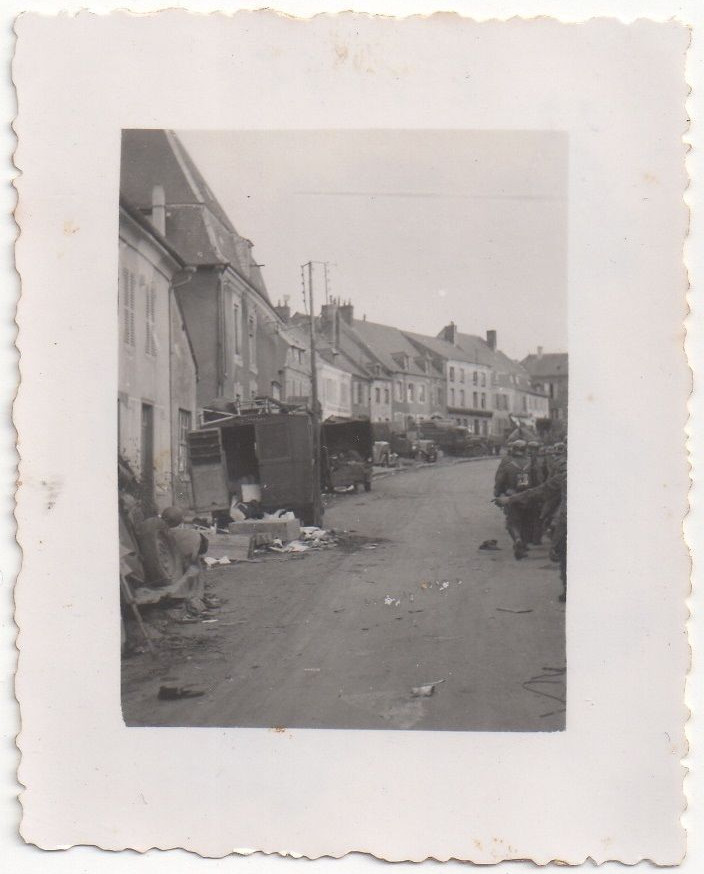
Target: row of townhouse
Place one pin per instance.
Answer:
(400, 378)
(198, 331)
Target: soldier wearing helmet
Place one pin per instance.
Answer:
(538, 475)
(553, 489)
(513, 477)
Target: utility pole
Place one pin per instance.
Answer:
(315, 406)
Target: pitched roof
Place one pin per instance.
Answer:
(294, 333)
(385, 342)
(479, 350)
(140, 219)
(196, 224)
(548, 364)
(342, 361)
(443, 349)
(346, 356)
(506, 371)
(157, 157)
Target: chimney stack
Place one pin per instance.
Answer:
(283, 311)
(329, 321)
(540, 352)
(159, 209)
(449, 333)
(491, 340)
(347, 312)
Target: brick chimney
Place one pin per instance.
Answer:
(491, 340)
(449, 333)
(347, 312)
(283, 311)
(540, 352)
(159, 209)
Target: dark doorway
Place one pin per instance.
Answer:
(147, 454)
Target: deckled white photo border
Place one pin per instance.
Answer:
(397, 795)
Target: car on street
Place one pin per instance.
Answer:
(426, 450)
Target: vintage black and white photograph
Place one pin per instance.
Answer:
(316, 317)
(342, 429)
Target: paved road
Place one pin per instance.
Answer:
(310, 642)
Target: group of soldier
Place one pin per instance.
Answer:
(531, 488)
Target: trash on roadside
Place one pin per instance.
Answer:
(491, 545)
(174, 693)
(293, 546)
(317, 536)
(285, 527)
(389, 601)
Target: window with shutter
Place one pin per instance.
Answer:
(128, 302)
(150, 340)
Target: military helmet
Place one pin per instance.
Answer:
(518, 445)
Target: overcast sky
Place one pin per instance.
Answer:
(420, 227)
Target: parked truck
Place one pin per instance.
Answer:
(271, 450)
(453, 439)
(230, 454)
(347, 453)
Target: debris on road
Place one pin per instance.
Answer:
(293, 546)
(426, 690)
(211, 562)
(311, 538)
(388, 600)
(507, 610)
(174, 693)
(285, 528)
(491, 545)
(441, 585)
